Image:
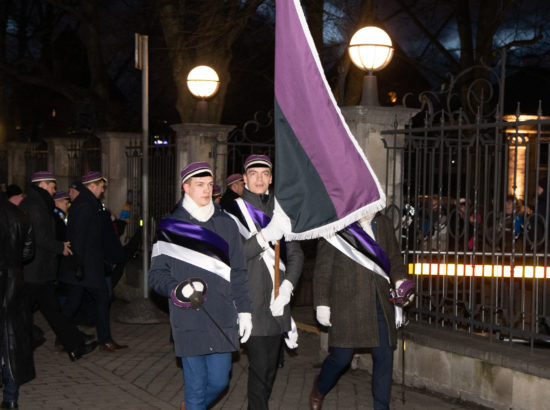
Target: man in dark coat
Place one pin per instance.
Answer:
(198, 242)
(254, 211)
(354, 302)
(85, 272)
(41, 272)
(16, 320)
(235, 188)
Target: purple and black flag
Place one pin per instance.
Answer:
(323, 181)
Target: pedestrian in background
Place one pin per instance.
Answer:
(85, 272)
(41, 272)
(16, 318)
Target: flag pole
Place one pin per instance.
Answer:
(276, 275)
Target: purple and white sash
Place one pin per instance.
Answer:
(193, 244)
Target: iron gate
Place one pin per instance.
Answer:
(474, 208)
(256, 136)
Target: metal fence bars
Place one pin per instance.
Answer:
(162, 182)
(256, 136)
(474, 213)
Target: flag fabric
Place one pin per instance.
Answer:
(323, 181)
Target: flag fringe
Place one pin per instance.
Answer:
(333, 227)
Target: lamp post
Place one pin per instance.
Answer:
(370, 49)
(203, 82)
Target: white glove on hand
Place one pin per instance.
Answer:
(278, 305)
(398, 317)
(291, 337)
(279, 225)
(323, 315)
(245, 326)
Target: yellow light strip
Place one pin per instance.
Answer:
(481, 271)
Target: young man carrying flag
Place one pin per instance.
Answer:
(254, 214)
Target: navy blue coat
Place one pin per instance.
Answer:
(194, 332)
(85, 232)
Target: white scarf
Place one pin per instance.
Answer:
(366, 224)
(202, 213)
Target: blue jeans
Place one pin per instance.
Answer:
(10, 389)
(205, 377)
(339, 359)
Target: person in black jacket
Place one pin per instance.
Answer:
(40, 273)
(235, 188)
(85, 272)
(17, 246)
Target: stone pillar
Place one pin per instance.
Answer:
(366, 124)
(17, 164)
(114, 166)
(195, 142)
(58, 159)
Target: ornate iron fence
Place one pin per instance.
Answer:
(162, 182)
(474, 210)
(84, 155)
(254, 137)
(36, 158)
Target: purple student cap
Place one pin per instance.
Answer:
(255, 160)
(231, 179)
(92, 176)
(196, 169)
(60, 195)
(216, 191)
(42, 176)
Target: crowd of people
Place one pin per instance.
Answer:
(218, 265)
(223, 264)
(56, 246)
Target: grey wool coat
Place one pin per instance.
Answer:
(259, 279)
(350, 291)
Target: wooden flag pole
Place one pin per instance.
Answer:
(276, 278)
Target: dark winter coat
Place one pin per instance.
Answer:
(85, 232)
(350, 291)
(260, 284)
(17, 246)
(194, 332)
(227, 198)
(39, 206)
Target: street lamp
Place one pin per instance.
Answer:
(203, 82)
(370, 49)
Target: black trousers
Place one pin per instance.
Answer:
(263, 357)
(43, 295)
(75, 294)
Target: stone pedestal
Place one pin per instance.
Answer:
(366, 124)
(114, 167)
(195, 142)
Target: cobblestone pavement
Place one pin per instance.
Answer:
(147, 376)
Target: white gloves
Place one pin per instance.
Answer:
(399, 317)
(245, 326)
(279, 225)
(291, 337)
(323, 315)
(278, 305)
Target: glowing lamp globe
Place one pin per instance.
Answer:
(203, 82)
(370, 49)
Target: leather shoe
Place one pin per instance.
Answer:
(81, 351)
(315, 398)
(112, 347)
(9, 405)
